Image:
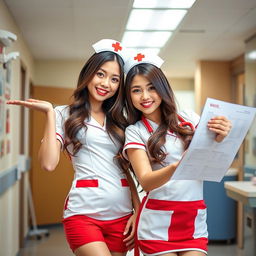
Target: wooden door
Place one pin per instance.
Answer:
(49, 189)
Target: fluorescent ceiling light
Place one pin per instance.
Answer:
(145, 50)
(145, 39)
(155, 19)
(163, 3)
(251, 55)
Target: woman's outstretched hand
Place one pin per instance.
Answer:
(40, 105)
(221, 126)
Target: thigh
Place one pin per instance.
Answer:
(170, 254)
(192, 253)
(118, 253)
(81, 230)
(93, 249)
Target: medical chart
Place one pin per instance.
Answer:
(207, 159)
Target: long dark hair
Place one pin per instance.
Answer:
(169, 115)
(80, 107)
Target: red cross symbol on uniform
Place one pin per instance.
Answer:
(139, 57)
(117, 47)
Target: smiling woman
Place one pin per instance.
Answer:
(145, 97)
(156, 140)
(104, 83)
(91, 131)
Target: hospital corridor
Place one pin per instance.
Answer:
(57, 165)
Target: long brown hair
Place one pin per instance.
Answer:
(169, 115)
(80, 108)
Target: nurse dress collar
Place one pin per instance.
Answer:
(137, 58)
(182, 123)
(112, 46)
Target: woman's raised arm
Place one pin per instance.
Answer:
(49, 152)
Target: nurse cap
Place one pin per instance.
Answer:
(112, 46)
(139, 58)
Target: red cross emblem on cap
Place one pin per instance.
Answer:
(117, 47)
(139, 57)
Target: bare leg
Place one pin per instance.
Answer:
(192, 253)
(93, 249)
(170, 254)
(118, 253)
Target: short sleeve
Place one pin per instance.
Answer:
(60, 116)
(133, 140)
(190, 116)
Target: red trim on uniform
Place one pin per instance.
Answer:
(124, 183)
(66, 203)
(134, 143)
(86, 183)
(147, 124)
(150, 129)
(183, 123)
(165, 205)
(61, 138)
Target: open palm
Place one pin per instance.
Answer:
(40, 105)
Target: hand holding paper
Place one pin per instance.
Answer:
(209, 156)
(221, 126)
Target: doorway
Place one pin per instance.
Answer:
(49, 189)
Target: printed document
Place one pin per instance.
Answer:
(207, 159)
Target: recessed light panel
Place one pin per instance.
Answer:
(155, 19)
(163, 3)
(145, 50)
(251, 55)
(145, 39)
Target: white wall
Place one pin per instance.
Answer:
(57, 73)
(185, 100)
(183, 89)
(9, 201)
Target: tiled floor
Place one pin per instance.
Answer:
(56, 245)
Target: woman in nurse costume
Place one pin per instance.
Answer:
(100, 209)
(172, 218)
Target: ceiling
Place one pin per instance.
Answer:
(66, 29)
